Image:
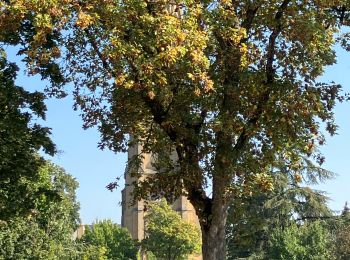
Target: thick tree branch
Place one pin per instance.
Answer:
(270, 75)
(195, 192)
(248, 22)
(157, 110)
(187, 150)
(315, 218)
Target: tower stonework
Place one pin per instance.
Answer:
(133, 213)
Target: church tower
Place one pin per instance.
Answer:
(133, 214)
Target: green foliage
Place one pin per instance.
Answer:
(110, 239)
(308, 241)
(253, 217)
(23, 239)
(57, 212)
(342, 242)
(20, 140)
(91, 252)
(167, 235)
(46, 233)
(339, 227)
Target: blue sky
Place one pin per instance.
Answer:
(337, 148)
(79, 155)
(94, 168)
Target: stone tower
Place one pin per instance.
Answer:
(133, 215)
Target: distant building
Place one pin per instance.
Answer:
(79, 232)
(133, 214)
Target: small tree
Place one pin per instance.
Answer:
(168, 236)
(116, 240)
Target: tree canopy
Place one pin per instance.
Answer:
(340, 229)
(310, 241)
(47, 232)
(256, 217)
(114, 240)
(231, 87)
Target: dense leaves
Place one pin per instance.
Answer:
(47, 232)
(254, 216)
(20, 140)
(114, 241)
(230, 88)
(58, 214)
(340, 230)
(310, 241)
(167, 235)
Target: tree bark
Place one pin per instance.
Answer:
(213, 235)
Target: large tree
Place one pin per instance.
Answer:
(230, 87)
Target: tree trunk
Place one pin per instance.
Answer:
(213, 235)
(211, 212)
